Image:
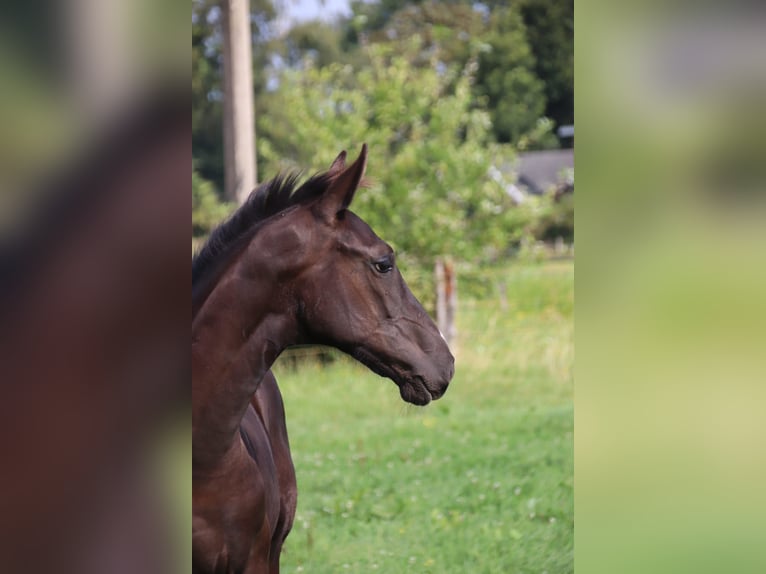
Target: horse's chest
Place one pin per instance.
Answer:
(234, 516)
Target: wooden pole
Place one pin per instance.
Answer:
(446, 299)
(239, 109)
(441, 298)
(451, 280)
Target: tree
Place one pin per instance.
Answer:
(550, 32)
(448, 31)
(320, 41)
(506, 77)
(207, 209)
(207, 119)
(452, 32)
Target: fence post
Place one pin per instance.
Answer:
(446, 299)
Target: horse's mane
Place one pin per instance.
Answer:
(267, 200)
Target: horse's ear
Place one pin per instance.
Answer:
(341, 191)
(338, 165)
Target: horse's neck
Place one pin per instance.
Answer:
(236, 338)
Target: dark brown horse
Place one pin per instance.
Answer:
(290, 267)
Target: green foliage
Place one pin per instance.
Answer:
(556, 220)
(207, 209)
(319, 41)
(448, 32)
(480, 481)
(507, 77)
(550, 33)
(207, 123)
(524, 52)
(526, 67)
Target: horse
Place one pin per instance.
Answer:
(92, 356)
(292, 266)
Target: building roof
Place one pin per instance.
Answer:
(539, 171)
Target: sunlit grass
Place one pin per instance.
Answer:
(480, 481)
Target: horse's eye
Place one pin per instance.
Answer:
(383, 266)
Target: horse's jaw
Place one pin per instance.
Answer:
(413, 389)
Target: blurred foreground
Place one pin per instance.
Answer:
(94, 173)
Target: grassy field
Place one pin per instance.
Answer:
(479, 482)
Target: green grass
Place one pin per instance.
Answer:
(478, 482)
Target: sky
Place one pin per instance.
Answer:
(302, 10)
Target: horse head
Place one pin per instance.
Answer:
(350, 294)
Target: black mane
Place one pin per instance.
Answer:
(267, 200)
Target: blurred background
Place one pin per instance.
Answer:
(671, 272)
(468, 111)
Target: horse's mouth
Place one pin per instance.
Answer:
(412, 389)
(415, 392)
